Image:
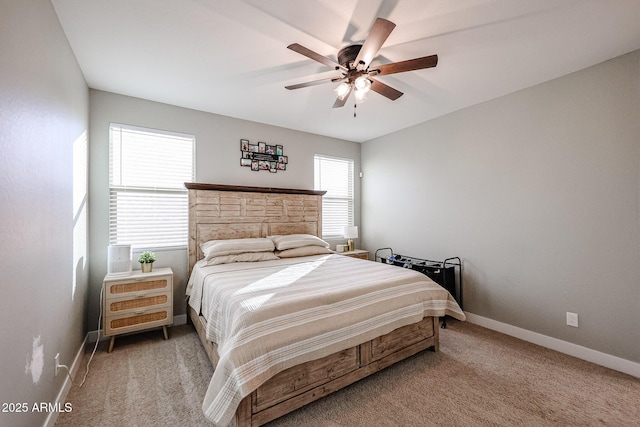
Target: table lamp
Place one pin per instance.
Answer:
(351, 233)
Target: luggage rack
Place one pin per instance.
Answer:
(442, 272)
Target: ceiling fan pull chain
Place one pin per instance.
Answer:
(354, 109)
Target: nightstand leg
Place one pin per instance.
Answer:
(166, 335)
(113, 339)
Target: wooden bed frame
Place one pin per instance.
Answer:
(228, 212)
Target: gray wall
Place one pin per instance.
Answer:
(218, 161)
(44, 105)
(538, 192)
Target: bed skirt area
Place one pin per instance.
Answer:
(310, 381)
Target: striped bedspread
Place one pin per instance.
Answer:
(268, 316)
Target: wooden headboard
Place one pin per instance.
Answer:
(234, 212)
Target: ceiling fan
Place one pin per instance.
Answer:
(354, 64)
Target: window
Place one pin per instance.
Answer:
(148, 206)
(335, 175)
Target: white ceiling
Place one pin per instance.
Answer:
(229, 57)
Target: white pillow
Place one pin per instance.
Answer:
(243, 257)
(304, 251)
(216, 248)
(292, 241)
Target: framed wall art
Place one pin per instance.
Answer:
(263, 156)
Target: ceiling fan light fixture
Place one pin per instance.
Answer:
(342, 91)
(360, 95)
(362, 84)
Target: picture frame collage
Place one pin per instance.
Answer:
(263, 156)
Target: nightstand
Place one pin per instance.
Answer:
(356, 253)
(137, 302)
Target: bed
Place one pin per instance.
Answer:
(320, 321)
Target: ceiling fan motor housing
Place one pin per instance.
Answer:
(347, 55)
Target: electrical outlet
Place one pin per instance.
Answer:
(57, 364)
(572, 319)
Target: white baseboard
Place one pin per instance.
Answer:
(66, 386)
(180, 319)
(584, 353)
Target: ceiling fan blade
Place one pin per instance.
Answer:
(376, 38)
(315, 56)
(313, 83)
(385, 90)
(408, 65)
(340, 103)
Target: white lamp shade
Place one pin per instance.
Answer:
(351, 232)
(360, 96)
(342, 90)
(363, 84)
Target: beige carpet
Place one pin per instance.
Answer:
(479, 378)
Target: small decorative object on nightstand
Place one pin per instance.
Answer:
(138, 302)
(146, 260)
(356, 253)
(351, 233)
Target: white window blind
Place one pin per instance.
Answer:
(148, 206)
(335, 175)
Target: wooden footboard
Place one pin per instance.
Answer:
(305, 383)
